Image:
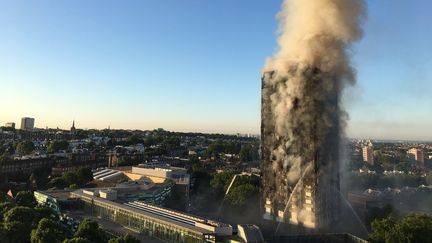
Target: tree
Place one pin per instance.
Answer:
(214, 149)
(125, 160)
(380, 213)
(48, 231)
(25, 147)
(18, 223)
(239, 195)
(58, 182)
(90, 230)
(85, 175)
(124, 239)
(42, 211)
(39, 177)
(57, 145)
(193, 159)
(220, 181)
(412, 228)
(70, 178)
(416, 228)
(2, 197)
(382, 230)
(2, 233)
(429, 178)
(4, 207)
(25, 199)
(77, 240)
(5, 158)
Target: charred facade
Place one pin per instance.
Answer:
(300, 132)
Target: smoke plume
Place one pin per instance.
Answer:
(302, 84)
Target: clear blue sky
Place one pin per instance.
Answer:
(194, 65)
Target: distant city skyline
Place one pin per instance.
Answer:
(196, 66)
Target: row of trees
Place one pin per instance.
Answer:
(72, 180)
(50, 231)
(242, 190)
(364, 181)
(24, 221)
(246, 151)
(19, 218)
(412, 228)
(26, 147)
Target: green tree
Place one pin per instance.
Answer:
(245, 153)
(412, 228)
(85, 175)
(58, 183)
(403, 166)
(18, 223)
(48, 231)
(77, 240)
(5, 158)
(125, 160)
(193, 159)
(57, 145)
(149, 141)
(238, 196)
(416, 228)
(42, 211)
(429, 178)
(91, 231)
(4, 207)
(214, 149)
(124, 239)
(40, 177)
(2, 233)
(25, 147)
(382, 229)
(25, 199)
(380, 213)
(2, 197)
(221, 181)
(70, 178)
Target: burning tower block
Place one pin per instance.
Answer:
(300, 147)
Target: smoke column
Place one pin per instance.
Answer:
(301, 114)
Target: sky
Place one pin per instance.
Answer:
(195, 65)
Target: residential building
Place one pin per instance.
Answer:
(417, 155)
(74, 161)
(368, 155)
(27, 123)
(25, 165)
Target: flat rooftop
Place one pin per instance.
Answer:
(164, 215)
(58, 194)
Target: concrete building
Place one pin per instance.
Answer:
(27, 123)
(165, 224)
(368, 155)
(300, 176)
(417, 155)
(141, 189)
(161, 172)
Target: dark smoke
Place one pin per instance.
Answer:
(302, 118)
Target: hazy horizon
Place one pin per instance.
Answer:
(196, 66)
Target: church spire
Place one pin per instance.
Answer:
(73, 129)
